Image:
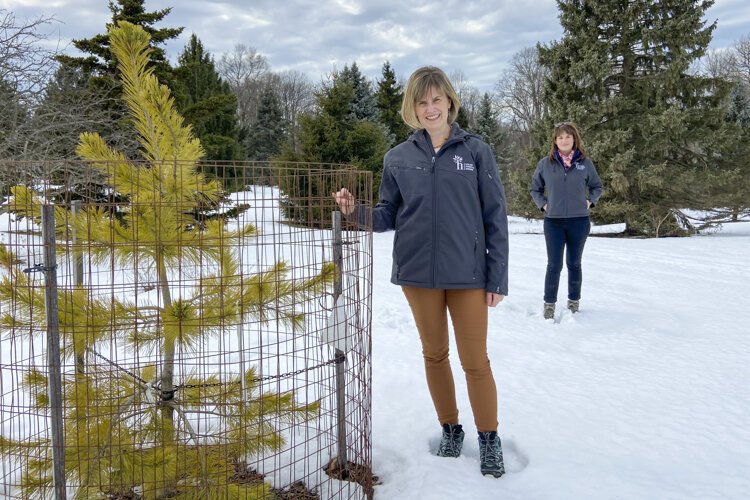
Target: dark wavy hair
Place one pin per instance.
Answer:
(570, 128)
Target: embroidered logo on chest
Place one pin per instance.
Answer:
(460, 165)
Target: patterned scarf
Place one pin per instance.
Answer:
(567, 159)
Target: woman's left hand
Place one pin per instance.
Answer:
(494, 299)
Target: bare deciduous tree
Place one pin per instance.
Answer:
(44, 108)
(469, 95)
(742, 59)
(245, 70)
(520, 90)
(25, 64)
(719, 64)
(295, 91)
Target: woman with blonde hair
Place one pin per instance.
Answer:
(565, 186)
(441, 193)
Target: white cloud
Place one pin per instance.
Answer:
(350, 7)
(476, 36)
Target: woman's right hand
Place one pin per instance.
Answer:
(345, 200)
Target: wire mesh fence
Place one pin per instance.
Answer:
(213, 326)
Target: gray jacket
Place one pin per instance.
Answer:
(567, 192)
(448, 210)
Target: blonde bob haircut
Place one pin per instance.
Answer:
(420, 82)
(568, 128)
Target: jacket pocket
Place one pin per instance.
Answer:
(395, 254)
(413, 177)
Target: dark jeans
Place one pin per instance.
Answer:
(559, 234)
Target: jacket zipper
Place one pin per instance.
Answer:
(434, 223)
(433, 156)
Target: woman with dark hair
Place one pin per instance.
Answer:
(441, 192)
(565, 186)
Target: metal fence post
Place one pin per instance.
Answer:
(53, 351)
(77, 274)
(77, 254)
(338, 260)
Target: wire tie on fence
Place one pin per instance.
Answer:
(168, 395)
(39, 268)
(340, 357)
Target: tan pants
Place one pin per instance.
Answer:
(468, 311)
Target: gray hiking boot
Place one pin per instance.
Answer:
(549, 310)
(490, 454)
(573, 305)
(452, 441)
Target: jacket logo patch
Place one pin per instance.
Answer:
(460, 165)
(580, 166)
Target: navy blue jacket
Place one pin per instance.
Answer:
(448, 210)
(566, 189)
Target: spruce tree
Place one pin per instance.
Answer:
(100, 61)
(464, 120)
(364, 104)
(389, 97)
(98, 66)
(269, 132)
(207, 103)
(656, 131)
(487, 125)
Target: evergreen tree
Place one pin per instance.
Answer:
(72, 106)
(463, 119)
(621, 72)
(364, 103)
(12, 119)
(739, 107)
(738, 187)
(334, 135)
(269, 132)
(389, 97)
(207, 103)
(487, 125)
(100, 61)
(128, 436)
(98, 67)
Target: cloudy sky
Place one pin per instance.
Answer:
(477, 37)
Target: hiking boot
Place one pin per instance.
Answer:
(452, 441)
(490, 454)
(573, 305)
(549, 310)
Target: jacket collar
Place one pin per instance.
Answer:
(576, 157)
(421, 138)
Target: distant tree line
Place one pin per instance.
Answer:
(666, 120)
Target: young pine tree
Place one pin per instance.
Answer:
(130, 432)
(656, 131)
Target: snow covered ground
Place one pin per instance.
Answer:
(645, 394)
